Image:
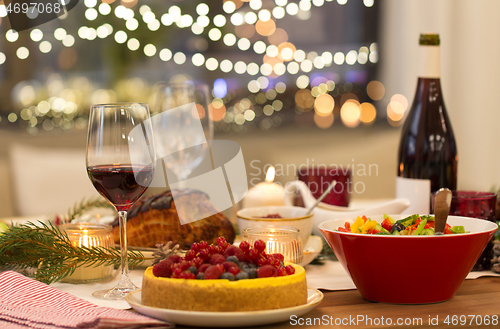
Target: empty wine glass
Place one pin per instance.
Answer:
(120, 164)
(183, 126)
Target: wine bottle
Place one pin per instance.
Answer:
(427, 151)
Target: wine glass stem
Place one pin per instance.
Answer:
(125, 281)
(182, 176)
(122, 217)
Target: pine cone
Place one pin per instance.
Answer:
(164, 251)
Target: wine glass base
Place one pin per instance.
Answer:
(116, 293)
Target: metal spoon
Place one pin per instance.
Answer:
(442, 202)
(332, 185)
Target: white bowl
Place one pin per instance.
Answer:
(291, 216)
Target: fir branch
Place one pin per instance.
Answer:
(86, 204)
(48, 250)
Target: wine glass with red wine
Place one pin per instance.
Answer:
(120, 164)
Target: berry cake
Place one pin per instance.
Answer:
(224, 278)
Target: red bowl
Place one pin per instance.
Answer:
(409, 269)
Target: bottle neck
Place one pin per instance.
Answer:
(430, 62)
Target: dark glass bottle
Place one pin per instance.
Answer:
(427, 150)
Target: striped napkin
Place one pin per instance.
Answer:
(26, 303)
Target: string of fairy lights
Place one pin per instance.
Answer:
(279, 56)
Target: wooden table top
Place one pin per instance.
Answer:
(477, 301)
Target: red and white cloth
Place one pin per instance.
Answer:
(27, 303)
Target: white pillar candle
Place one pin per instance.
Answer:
(266, 193)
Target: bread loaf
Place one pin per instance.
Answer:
(154, 219)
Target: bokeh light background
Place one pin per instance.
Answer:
(270, 63)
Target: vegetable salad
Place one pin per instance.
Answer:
(411, 225)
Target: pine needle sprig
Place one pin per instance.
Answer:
(86, 204)
(49, 251)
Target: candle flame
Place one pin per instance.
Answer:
(271, 172)
(85, 242)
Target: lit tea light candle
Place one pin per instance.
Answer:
(266, 193)
(278, 239)
(89, 235)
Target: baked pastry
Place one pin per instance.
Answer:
(224, 278)
(224, 295)
(154, 220)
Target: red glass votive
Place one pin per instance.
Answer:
(319, 178)
(478, 205)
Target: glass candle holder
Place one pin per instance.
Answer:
(473, 204)
(477, 205)
(89, 235)
(318, 179)
(279, 239)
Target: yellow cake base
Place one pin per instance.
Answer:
(225, 295)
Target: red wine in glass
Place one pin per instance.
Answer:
(120, 165)
(122, 185)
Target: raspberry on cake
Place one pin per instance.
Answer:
(237, 279)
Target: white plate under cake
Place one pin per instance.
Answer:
(225, 319)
